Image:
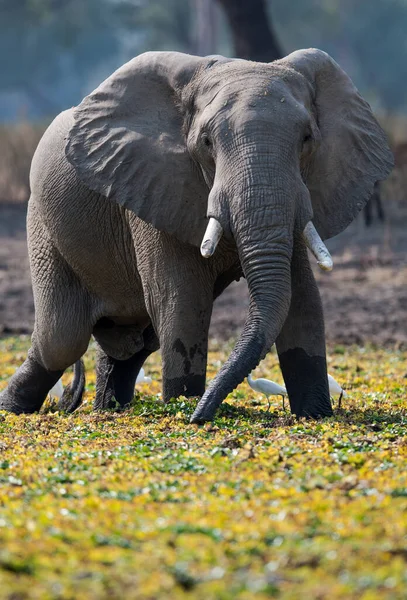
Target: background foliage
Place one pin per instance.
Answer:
(52, 52)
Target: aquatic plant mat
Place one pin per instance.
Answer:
(140, 504)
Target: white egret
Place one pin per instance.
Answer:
(270, 388)
(267, 387)
(141, 377)
(334, 387)
(57, 390)
(336, 390)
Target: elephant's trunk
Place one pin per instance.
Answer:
(265, 247)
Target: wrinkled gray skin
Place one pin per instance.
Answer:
(122, 188)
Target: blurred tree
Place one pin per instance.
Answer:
(164, 25)
(367, 37)
(52, 52)
(49, 49)
(205, 27)
(252, 32)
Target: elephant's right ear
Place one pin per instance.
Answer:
(127, 143)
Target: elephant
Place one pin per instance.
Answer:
(72, 395)
(175, 176)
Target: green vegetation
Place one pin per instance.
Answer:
(140, 504)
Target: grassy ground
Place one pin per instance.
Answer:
(142, 505)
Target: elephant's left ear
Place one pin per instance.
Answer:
(353, 153)
(127, 143)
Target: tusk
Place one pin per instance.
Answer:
(317, 247)
(211, 238)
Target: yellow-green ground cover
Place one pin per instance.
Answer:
(142, 505)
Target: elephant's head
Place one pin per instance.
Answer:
(263, 149)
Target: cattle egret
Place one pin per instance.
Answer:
(336, 390)
(57, 390)
(334, 387)
(270, 388)
(267, 387)
(141, 378)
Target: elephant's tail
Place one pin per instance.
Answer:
(71, 398)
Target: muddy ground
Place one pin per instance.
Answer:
(364, 297)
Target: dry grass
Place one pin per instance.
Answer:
(17, 145)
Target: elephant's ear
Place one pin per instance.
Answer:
(127, 143)
(353, 153)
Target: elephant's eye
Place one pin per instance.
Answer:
(307, 138)
(206, 140)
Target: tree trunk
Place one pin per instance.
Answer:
(205, 27)
(252, 33)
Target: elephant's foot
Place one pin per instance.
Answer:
(105, 393)
(116, 379)
(28, 387)
(186, 385)
(306, 381)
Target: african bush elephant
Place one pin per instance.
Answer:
(122, 189)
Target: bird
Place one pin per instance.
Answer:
(270, 388)
(267, 387)
(141, 377)
(334, 387)
(57, 390)
(336, 390)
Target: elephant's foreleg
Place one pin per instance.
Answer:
(184, 365)
(178, 289)
(116, 379)
(301, 343)
(183, 336)
(181, 313)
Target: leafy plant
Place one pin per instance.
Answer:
(140, 504)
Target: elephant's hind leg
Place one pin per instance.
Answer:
(61, 333)
(45, 363)
(28, 387)
(30, 384)
(116, 379)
